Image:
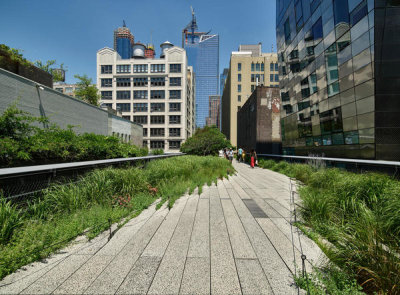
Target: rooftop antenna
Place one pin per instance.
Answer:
(193, 24)
(272, 47)
(123, 24)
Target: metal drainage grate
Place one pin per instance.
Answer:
(254, 209)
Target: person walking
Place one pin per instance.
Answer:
(240, 151)
(253, 160)
(230, 154)
(243, 156)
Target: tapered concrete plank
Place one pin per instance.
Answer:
(266, 208)
(140, 277)
(282, 244)
(200, 240)
(223, 194)
(93, 246)
(169, 275)
(78, 282)
(54, 278)
(252, 277)
(275, 269)
(196, 277)
(120, 239)
(205, 194)
(224, 279)
(227, 182)
(159, 242)
(278, 207)
(114, 274)
(241, 245)
(240, 207)
(313, 253)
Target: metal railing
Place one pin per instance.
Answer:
(359, 165)
(20, 182)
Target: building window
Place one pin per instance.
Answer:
(59, 89)
(257, 67)
(174, 107)
(271, 67)
(174, 132)
(239, 67)
(286, 29)
(124, 107)
(316, 30)
(262, 67)
(157, 119)
(157, 107)
(140, 68)
(159, 68)
(140, 119)
(157, 94)
(106, 95)
(157, 81)
(123, 94)
(145, 143)
(174, 81)
(108, 105)
(140, 94)
(276, 67)
(252, 67)
(157, 144)
(123, 82)
(271, 78)
(239, 77)
(154, 132)
(253, 87)
(239, 98)
(144, 131)
(106, 82)
(106, 69)
(174, 119)
(174, 94)
(69, 89)
(239, 88)
(175, 68)
(140, 107)
(127, 117)
(139, 82)
(173, 144)
(123, 68)
(276, 78)
(358, 13)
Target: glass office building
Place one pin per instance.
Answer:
(203, 55)
(340, 77)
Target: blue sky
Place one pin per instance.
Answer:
(72, 31)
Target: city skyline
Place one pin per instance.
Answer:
(62, 38)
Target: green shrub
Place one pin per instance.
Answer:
(23, 143)
(359, 214)
(10, 219)
(206, 141)
(157, 152)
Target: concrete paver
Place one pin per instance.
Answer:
(233, 238)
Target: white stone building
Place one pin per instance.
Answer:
(156, 93)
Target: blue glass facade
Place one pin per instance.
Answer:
(124, 48)
(338, 77)
(203, 55)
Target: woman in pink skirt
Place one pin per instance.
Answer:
(253, 158)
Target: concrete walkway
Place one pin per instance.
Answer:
(234, 238)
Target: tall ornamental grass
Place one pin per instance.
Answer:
(65, 211)
(359, 214)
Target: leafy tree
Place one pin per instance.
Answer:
(87, 92)
(15, 54)
(47, 68)
(206, 141)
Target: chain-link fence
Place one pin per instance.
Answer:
(22, 183)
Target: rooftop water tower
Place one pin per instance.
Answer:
(138, 50)
(166, 45)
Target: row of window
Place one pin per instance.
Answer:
(160, 144)
(142, 68)
(140, 82)
(256, 67)
(143, 107)
(141, 94)
(157, 132)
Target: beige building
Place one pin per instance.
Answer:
(68, 89)
(158, 93)
(248, 68)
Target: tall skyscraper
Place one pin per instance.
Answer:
(123, 41)
(203, 55)
(222, 79)
(340, 78)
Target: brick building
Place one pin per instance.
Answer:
(258, 122)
